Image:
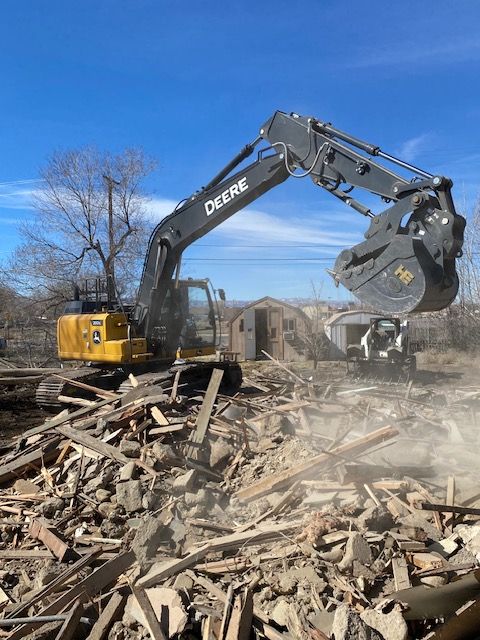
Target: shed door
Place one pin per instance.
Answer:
(249, 333)
(275, 333)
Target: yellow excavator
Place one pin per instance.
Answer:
(406, 262)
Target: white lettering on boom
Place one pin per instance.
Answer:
(226, 196)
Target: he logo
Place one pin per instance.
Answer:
(404, 275)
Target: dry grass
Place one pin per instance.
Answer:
(449, 356)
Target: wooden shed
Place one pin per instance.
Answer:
(270, 325)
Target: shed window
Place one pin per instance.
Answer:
(241, 327)
(289, 324)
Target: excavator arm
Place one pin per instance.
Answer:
(406, 262)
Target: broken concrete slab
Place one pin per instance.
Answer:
(128, 471)
(357, 548)
(388, 621)
(149, 535)
(347, 625)
(129, 495)
(185, 482)
(220, 452)
(130, 448)
(168, 607)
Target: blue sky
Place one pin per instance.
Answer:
(192, 82)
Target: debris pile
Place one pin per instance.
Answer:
(297, 509)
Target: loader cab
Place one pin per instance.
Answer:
(384, 333)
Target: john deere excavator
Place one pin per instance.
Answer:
(406, 262)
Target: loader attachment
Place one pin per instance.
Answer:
(407, 262)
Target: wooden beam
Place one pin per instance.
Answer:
(108, 616)
(450, 508)
(203, 418)
(167, 568)
(283, 479)
(153, 624)
(20, 465)
(400, 573)
(86, 440)
(41, 529)
(61, 419)
(240, 625)
(69, 627)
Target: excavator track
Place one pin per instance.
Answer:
(52, 387)
(193, 375)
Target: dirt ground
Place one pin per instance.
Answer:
(18, 412)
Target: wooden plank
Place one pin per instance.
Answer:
(240, 625)
(20, 465)
(167, 568)
(450, 499)
(153, 624)
(108, 616)
(203, 418)
(103, 393)
(283, 479)
(69, 627)
(450, 508)
(427, 561)
(61, 419)
(174, 392)
(86, 440)
(400, 573)
(227, 609)
(41, 529)
(25, 554)
(159, 417)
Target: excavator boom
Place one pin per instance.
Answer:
(406, 262)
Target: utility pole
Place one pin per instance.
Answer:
(110, 182)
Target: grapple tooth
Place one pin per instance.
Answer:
(404, 278)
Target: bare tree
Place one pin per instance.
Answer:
(313, 337)
(464, 319)
(89, 220)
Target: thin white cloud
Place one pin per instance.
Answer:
(413, 147)
(17, 194)
(413, 53)
(252, 226)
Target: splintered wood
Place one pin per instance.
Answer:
(294, 507)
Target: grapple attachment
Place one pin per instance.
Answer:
(405, 267)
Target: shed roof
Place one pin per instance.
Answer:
(280, 303)
(337, 317)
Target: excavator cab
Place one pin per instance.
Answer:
(187, 322)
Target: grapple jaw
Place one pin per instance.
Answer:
(405, 268)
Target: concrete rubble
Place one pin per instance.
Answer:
(313, 509)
